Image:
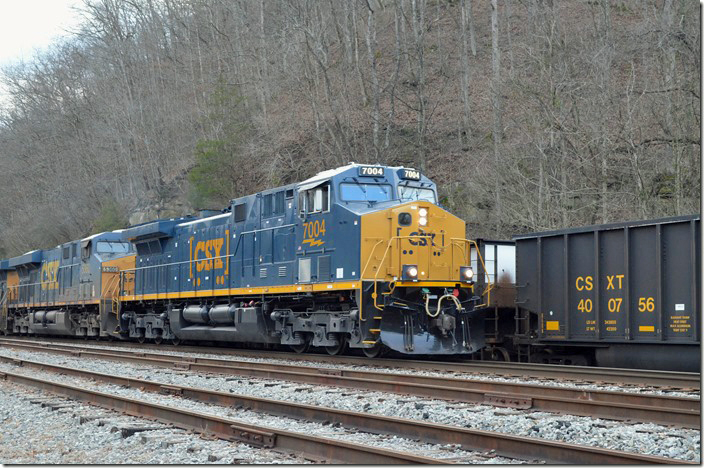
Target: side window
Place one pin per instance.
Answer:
(321, 199)
(67, 252)
(315, 200)
(74, 251)
(301, 202)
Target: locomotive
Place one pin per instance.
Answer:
(359, 257)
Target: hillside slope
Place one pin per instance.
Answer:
(531, 115)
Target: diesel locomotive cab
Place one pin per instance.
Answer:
(417, 283)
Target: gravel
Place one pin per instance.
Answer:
(455, 375)
(81, 434)
(250, 417)
(652, 439)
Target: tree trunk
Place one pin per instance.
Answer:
(496, 104)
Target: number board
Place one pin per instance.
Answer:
(410, 174)
(371, 171)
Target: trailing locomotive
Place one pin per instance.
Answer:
(69, 290)
(360, 256)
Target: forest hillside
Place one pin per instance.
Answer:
(529, 114)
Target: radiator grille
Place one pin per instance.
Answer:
(324, 268)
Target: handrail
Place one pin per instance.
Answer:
(453, 242)
(388, 246)
(471, 243)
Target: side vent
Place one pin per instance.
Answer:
(324, 268)
(282, 271)
(262, 272)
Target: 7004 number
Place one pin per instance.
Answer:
(313, 229)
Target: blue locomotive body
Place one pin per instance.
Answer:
(295, 265)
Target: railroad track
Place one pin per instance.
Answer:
(335, 451)
(660, 409)
(685, 381)
(520, 447)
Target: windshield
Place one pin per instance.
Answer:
(365, 192)
(408, 193)
(112, 247)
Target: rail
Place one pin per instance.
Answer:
(649, 408)
(336, 451)
(527, 448)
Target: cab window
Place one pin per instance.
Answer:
(365, 192)
(409, 193)
(315, 200)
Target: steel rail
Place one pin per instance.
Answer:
(335, 451)
(521, 447)
(668, 410)
(606, 375)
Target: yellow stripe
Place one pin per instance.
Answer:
(646, 328)
(552, 325)
(295, 288)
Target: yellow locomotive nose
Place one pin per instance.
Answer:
(413, 236)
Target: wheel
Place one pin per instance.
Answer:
(141, 339)
(158, 339)
(375, 351)
(339, 348)
(175, 341)
(301, 348)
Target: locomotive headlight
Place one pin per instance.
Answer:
(466, 274)
(410, 272)
(423, 217)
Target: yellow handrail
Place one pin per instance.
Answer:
(489, 284)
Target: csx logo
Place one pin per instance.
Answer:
(424, 238)
(207, 254)
(50, 272)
